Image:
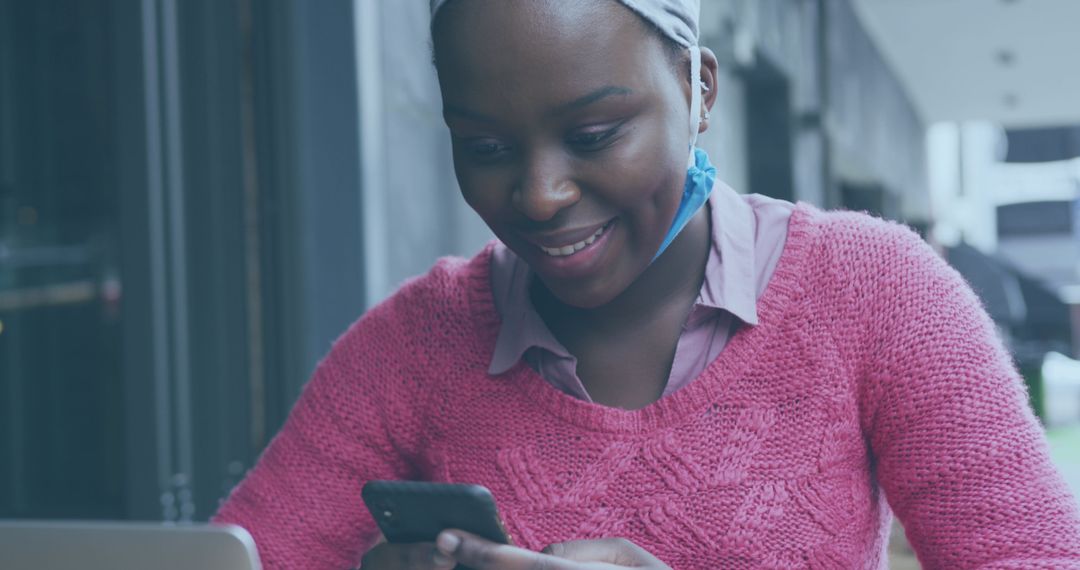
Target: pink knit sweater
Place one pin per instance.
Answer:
(874, 379)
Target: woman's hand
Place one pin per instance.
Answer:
(605, 554)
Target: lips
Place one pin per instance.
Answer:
(575, 247)
(574, 254)
(557, 240)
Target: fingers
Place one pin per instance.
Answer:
(616, 551)
(420, 556)
(481, 554)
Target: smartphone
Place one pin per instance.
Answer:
(416, 511)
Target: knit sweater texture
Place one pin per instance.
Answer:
(873, 383)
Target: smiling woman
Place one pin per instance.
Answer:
(549, 154)
(647, 370)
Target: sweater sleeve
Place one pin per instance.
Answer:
(356, 420)
(962, 460)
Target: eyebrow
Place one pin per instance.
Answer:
(593, 97)
(583, 101)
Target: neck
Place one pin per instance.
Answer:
(671, 283)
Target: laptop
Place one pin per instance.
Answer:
(39, 545)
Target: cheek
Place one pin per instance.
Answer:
(651, 162)
(658, 199)
(646, 183)
(486, 193)
(481, 190)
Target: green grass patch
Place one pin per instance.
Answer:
(1065, 452)
(1065, 444)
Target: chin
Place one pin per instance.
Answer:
(585, 296)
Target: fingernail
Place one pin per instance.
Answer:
(442, 560)
(448, 542)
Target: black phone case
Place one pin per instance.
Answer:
(416, 511)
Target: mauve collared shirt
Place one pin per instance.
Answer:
(748, 235)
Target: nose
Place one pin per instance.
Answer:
(545, 188)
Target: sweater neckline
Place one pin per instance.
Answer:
(702, 392)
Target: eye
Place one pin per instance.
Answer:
(594, 139)
(485, 148)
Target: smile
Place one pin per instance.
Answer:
(568, 250)
(572, 248)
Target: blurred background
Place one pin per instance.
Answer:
(198, 196)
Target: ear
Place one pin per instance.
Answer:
(710, 70)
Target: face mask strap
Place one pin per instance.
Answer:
(695, 99)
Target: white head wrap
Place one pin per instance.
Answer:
(678, 20)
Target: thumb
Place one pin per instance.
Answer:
(617, 551)
(480, 554)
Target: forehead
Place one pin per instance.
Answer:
(542, 45)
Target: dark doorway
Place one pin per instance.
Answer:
(868, 197)
(768, 131)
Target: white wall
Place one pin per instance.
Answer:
(971, 212)
(963, 203)
(413, 210)
(988, 182)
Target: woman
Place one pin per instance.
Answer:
(646, 378)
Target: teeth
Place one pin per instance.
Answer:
(573, 248)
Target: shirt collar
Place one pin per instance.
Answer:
(521, 327)
(729, 272)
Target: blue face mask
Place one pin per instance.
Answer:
(699, 184)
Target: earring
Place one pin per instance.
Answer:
(707, 114)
